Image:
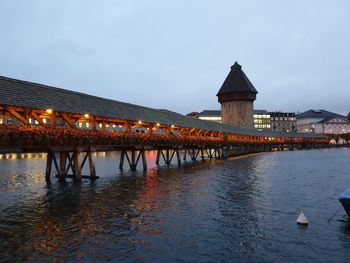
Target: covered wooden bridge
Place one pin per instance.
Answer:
(70, 125)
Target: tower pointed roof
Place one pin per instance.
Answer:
(236, 81)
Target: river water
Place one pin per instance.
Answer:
(233, 210)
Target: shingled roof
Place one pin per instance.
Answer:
(15, 92)
(210, 113)
(322, 114)
(236, 81)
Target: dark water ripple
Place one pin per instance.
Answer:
(241, 209)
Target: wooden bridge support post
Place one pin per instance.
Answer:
(133, 160)
(121, 161)
(202, 153)
(158, 156)
(210, 153)
(167, 160)
(178, 157)
(92, 168)
(48, 166)
(63, 164)
(76, 166)
(144, 160)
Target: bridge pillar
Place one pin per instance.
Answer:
(157, 158)
(91, 167)
(48, 166)
(178, 157)
(134, 159)
(76, 166)
(63, 165)
(168, 157)
(144, 160)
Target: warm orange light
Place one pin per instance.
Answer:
(49, 111)
(158, 124)
(139, 122)
(86, 115)
(172, 126)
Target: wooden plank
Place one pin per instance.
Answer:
(53, 119)
(93, 123)
(55, 162)
(84, 160)
(37, 118)
(67, 120)
(18, 116)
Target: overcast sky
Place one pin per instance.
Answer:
(176, 54)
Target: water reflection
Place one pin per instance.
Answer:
(241, 208)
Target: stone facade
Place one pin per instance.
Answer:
(236, 97)
(238, 113)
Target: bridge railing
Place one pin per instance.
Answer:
(12, 136)
(25, 127)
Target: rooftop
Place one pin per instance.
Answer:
(317, 113)
(236, 81)
(210, 113)
(14, 92)
(261, 112)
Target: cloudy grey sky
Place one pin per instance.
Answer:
(176, 54)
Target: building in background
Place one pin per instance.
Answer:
(283, 121)
(322, 121)
(262, 121)
(236, 96)
(261, 118)
(210, 115)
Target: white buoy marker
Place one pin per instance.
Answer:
(302, 220)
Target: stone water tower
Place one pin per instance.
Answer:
(236, 97)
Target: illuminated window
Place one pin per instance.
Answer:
(87, 125)
(1, 121)
(44, 120)
(80, 124)
(100, 125)
(209, 118)
(268, 126)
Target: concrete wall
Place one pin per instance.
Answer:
(238, 113)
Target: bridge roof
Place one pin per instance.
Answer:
(14, 92)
